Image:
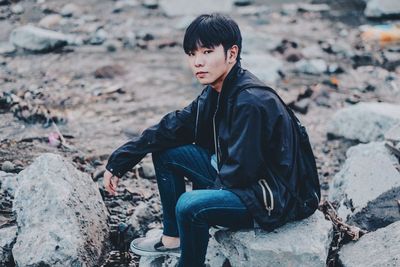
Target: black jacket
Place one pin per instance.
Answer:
(256, 144)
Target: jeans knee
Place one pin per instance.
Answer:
(184, 207)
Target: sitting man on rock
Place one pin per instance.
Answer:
(248, 157)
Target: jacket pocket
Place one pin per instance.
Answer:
(268, 197)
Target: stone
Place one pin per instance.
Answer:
(314, 7)
(364, 122)
(7, 239)
(141, 217)
(379, 248)
(17, 9)
(264, 66)
(61, 217)
(8, 182)
(242, 2)
(50, 21)
(302, 105)
(382, 8)
(124, 4)
(214, 256)
(70, 10)
(300, 243)
(37, 39)
(379, 212)
(152, 4)
(6, 48)
(312, 51)
(7, 166)
(195, 7)
(312, 66)
(367, 173)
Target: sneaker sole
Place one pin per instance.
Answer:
(141, 252)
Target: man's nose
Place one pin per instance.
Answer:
(199, 61)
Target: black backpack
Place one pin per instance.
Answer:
(308, 193)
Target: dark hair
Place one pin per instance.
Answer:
(211, 30)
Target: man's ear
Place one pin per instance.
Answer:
(232, 54)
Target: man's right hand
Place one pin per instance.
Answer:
(110, 183)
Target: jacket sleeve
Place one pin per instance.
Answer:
(174, 129)
(250, 132)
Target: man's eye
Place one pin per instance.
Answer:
(190, 54)
(207, 51)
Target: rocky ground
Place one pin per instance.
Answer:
(106, 70)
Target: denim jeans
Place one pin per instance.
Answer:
(189, 215)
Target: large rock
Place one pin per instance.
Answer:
(62, 220)
(382, 8)
(367, 173)
(379, 248)
(38, 40)
(364, 122)
(264, 66)
(195, 7)
(302, 243)
(7, 239)
(379, 212)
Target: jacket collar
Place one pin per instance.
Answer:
(229, 85)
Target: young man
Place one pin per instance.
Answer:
(236, 141)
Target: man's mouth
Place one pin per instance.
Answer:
(201, 73)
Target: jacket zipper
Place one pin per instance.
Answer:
(197, 120)
(216, 144)
(265, 187)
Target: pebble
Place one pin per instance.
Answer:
(70, 10)
(17, 9)
(8, 166)
(50, 21)
(151, 4)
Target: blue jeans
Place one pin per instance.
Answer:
(189, 215)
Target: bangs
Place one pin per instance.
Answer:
(201, 35)
(210, 31)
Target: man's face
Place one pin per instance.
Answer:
(209, 65)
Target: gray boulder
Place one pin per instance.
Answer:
(195, 7)
(301, 243)
(382, 8)
(263, 66)
(379, 212)
(376, 249)
(62, 220)
(364, 122)
(38, 40)
(7, 239)
(367, 173)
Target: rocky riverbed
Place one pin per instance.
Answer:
(78, 78)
